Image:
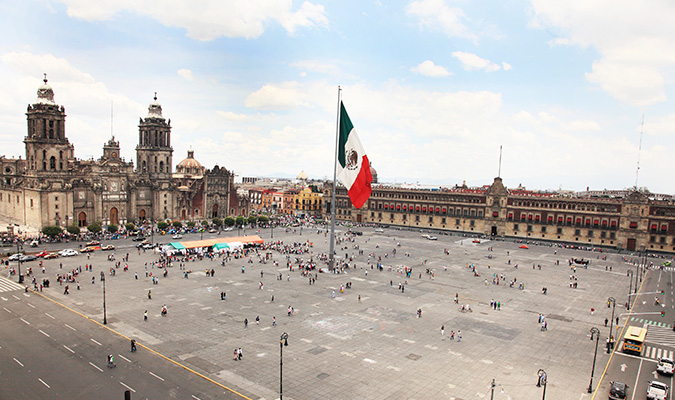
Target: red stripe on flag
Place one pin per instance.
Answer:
(360, 190)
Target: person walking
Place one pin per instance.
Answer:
(442, 330)
(459, 335)
(245, 322)
(257, 320)
(145, 315)
(359, 298)
(274, 321)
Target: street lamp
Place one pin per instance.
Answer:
(492, 388)
(19, 247)
(594, 331)
(609, 338)
(630, 287)
(272, 226)
(282, 342)
(105, 319)
(542, 381)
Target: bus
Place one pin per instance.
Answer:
(634, 340)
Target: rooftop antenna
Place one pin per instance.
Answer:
(637, 171)
(111, 120)
(499, 175)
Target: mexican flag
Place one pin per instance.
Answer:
(353, 165)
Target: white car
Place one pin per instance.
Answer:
(657, 390)
(177, 236)
(228, 229)
(15, 257)
(68, 253)
(432, 238)
(379, 230)
(665, 366)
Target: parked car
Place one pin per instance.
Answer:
(228, 229)
(34, 243)
(93, 243)
(618, 391)
(665, 366)
(379, 230)
(51, 255)
(149, 245)
(68, 253)
(108, 247)
(143, 243)
(212, 230)
(657, 390)
(15, 257)
(27, 258)
(42, 254)
(139, 238)
(177, 236)
(87, 250)
(432, 238)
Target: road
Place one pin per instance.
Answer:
(637, 371)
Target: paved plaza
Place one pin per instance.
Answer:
(375, 347)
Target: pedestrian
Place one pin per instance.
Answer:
(272, 299)
(606, 320)
(133, 345)
(240, 355)
(459, 335)
(245, 322)
(149, 294)
(617, 321)
(274, 321)
(257, 320)
(65, 291)
(359, 298)
(236, 355)
(442, 330)
(333, 294)
(145, 315)
(452, 335)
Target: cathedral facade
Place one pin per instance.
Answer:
(51, 187)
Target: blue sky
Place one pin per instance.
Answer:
(433, 87)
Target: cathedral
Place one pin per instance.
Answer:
(51, 187)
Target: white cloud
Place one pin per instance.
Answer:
(506, 66)
(635, 42)
(471, 62)
(230, 116)
(436, 14)
(328, 68)
(287, 96)
(208, 19)
(428, 68)
(185, 74)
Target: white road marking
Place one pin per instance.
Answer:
(26, 294)
(68, 348)
(96, 342)
(158, 377)
(368, 360)
(43, 382)
(49, 316)
(17, 361)
(122, 383)
(100, 370)
(5, 298)
(70, 327)
(26, 322)
(408, 341)
(124, 358)
(16, 297)
(30, 305)
(7, 310)
(195, 397)
(43, 332)
(397, 369)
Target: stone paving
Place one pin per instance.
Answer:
(376, 348)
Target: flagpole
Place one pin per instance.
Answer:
(331, 259)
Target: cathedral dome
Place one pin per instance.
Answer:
(155, 109)
(373, 173)
(190, 165)
(302, 176)
(45, 93)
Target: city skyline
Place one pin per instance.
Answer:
(433, 87)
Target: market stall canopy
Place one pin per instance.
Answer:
(229, 241)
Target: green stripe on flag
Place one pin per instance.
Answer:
(345, 127)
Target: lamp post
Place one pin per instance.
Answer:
(611, 300)
(282, 342)
(630, 287)
(594, 331)
(19, 247)
(272, 226)
(542, 381)
(105, 317)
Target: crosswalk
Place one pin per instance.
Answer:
(661, 335)
(648, 322)
(8, 286)
(660, 340)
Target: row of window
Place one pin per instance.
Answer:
(567, 206)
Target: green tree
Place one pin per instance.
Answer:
(229, 221)
(252, 219)
(112, 228)
(217, 222)
(73, 230)
(94, 227)
(177, 224)
(205, 223)
(191, 224)
(263, 219)
(240, 220)
(52, 231)
(130, 226)
(161, 225)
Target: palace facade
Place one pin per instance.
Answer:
(628, 220)
(51, 187)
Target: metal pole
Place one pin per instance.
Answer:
(630, 288)
(543, 378)
(331, 258)
(283, 341)
(105, 318)
(594, 331)
(492, 387)
(19, 260)
(611, 322)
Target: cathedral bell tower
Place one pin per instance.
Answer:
(154, 152)
(47, 148)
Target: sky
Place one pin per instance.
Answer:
(433, 87)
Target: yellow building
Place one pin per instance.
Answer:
(308, 202)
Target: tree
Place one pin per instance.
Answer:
(73, 230)
(240, 220)
(52, 231)
(161, 225)
(252, 219)
(112, 228)
(177, 224)
(263, 219)
(94, 227)
(191, 224)
(229, 221)
(130, 226)
(205, 223)
(217, 222)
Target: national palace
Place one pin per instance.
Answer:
(626, 219)
(50, 186)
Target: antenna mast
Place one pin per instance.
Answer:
(111, 118)
(499, 175)
(637, 171)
